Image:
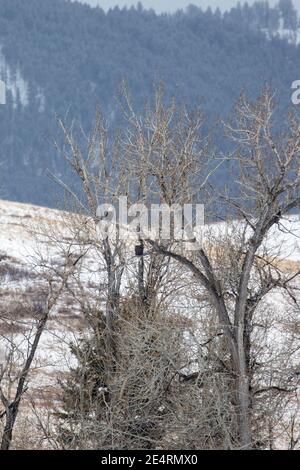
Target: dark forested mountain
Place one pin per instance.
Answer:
(61, 57)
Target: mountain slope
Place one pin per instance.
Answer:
(68, 56)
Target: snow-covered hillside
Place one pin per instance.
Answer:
(23, 283)
(35, 243)
(15, 82)
(18, 86)
(291, 36)
(32, 236)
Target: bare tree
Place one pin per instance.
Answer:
(164, 157)
(16, 384)
(266, 188)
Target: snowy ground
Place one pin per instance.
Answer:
(22, 246)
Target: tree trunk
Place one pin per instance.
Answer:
(112, 310)
(243, 411)
(12, 409)
(242, 388)
(9, 426)
(242, 383)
